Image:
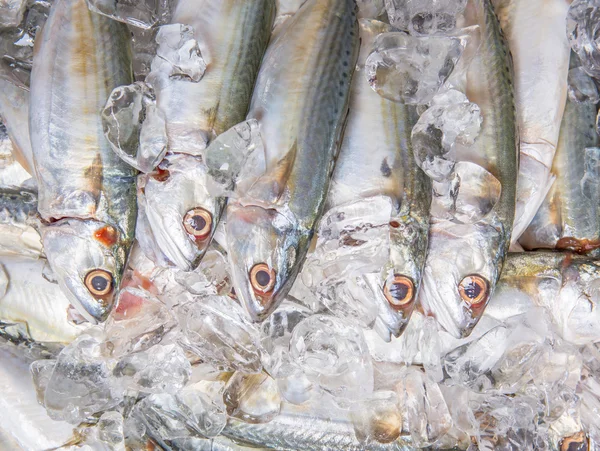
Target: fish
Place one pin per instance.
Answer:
(569, 217)
(18, 219)
(14, 110)
(86, 194)
(12, 173)
(464, 260)
(566, 284)
(180, 209)
(300, 102)
(535, 31)
(31, 300)
(376, 162)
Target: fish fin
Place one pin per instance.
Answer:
(270, 186)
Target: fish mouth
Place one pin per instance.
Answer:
(262, 250)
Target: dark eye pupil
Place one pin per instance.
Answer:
(263, 278)
(197, 222)
(399, 291)
(99, 283)
(472, 290)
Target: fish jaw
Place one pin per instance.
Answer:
(166, 198)
(459, 255)
(75, 248)
(260, 238)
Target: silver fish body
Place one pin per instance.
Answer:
(566, 284)
(300, 102)
(569, 217)
(464, 261)
(18, 213)
(535, 31)
(232, 36)
(376, 159)
(85, 192)
(14, 110)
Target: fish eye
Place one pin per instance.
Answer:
(99, 282)
(262, 278)
(576, 442)
(399, 290)
(473, 289)
(198, 223)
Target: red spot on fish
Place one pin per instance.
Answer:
(160, 174)
(581, 246)
(129, 304)
(107, 235)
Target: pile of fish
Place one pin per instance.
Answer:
(299, 224)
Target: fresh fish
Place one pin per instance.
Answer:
(30, 300)
(567, 285)
(296, 429)
(300, 102)
(12, 174)
(86, 194)
(376, 161)
(535, 31)
(18, 214)
(569, 218)
(464, 260)
(14, 110)
(180, 209)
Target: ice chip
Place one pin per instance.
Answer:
(253, 398)
(451, 119)
(478, 192)
(205, 400)
(217, 329)
(334, 355)
(178, 55)
(143, 43)
(81, 383)
(134, 127)
(412, 69)
(139, 13)
(160, 369)
(41, 370)
(423, 404)
(423, 17)
(582, 88)
(211, 277)
(378, 419)
(583, 22)
(110, 429)
(370, 9)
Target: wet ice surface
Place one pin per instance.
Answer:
(582, 31)
(139, 13)
(424, 16)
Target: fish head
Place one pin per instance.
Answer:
(87, 258)
(460, 274)
(180, 210)
(262, 246)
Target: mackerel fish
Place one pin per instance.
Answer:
(179, 210)
(376, 177)
(18, 222)
(86, 194)
(300, 103)
(464, 260)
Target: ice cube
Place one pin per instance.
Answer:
(424, 16)
(41, 370)
(143, 44)
(134, 127)
(370, 9)
(582, 88)
(159, 369)
(139, 13)
(451, 119)
(253, 398)
(205, 399)
(423, 404)
(583, 21)
(218, 330)
(334, 355)
(412, 69)
(81, 383)
(378, 419)
(212, 275)
(178, 56)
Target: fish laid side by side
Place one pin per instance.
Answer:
(535, 31)
(300, 102)
(86, 194)
(464, 261)
(179, 207)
